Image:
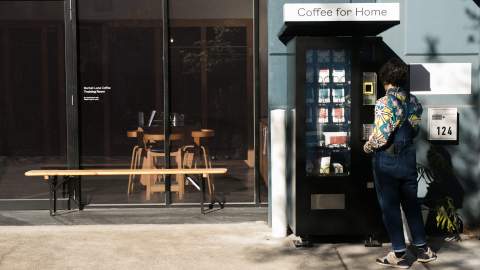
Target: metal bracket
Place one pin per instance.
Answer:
(303, 243)
(372, 241)
(70, 189)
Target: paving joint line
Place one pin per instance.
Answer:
(340, 258)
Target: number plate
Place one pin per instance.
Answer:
(442, 124)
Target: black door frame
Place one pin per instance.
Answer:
(71, 83)
(166, 95)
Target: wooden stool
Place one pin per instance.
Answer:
(136, 155)
(198, 151)
(149, 163)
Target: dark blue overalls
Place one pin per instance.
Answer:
(396, 184)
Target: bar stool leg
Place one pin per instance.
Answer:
(138, 161)
(136, 165)
(212, 183)
(132, 164)
(208, 165)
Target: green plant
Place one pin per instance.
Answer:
(447, 217)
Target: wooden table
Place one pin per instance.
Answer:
(145, 140)
(72, 180)
(148, 163)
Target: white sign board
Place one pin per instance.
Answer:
(442, 124)
(441, 78)
(341, 12)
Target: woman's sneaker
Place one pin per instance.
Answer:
(426, 255)
(392, 261)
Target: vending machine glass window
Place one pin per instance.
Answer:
(328, 102)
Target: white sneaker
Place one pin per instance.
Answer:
(426, 255)
(392, 261)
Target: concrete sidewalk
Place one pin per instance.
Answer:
(204, 245)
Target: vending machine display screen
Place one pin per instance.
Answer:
(328, 151)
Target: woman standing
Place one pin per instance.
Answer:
(397, 119)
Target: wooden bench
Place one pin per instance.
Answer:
(71, 182)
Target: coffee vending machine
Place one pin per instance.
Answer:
(332, 90)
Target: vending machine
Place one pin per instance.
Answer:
(332, 90)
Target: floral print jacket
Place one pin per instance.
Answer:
(390, 115)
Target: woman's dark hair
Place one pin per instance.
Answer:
(394, 72)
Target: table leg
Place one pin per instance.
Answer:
(180, 177)
(148, 191)
(146, 179)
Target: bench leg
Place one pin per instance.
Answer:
(55, 195)
(52, 181)
(50, 195)
(64, 187)
(71, 189)
(203, 193)
(78, 193)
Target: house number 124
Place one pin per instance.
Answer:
(444, 130)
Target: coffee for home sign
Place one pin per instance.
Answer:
(341, 12)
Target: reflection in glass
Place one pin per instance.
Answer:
(211, 90)
(32, 95)
(121, 121)
(212, 85)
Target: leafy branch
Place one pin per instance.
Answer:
(447, 217)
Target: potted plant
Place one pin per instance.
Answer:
(447, 218)
(439, 203)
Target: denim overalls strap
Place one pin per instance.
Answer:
(403, 135)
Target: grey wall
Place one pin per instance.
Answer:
(430, 31)
(446, 31)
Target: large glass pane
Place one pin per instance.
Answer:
(121, 86)
(212, 91)
(327, 99)
(32, 95)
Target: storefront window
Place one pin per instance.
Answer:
(121, 96)
(211, 50)
(120, 86)
(32, 95)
